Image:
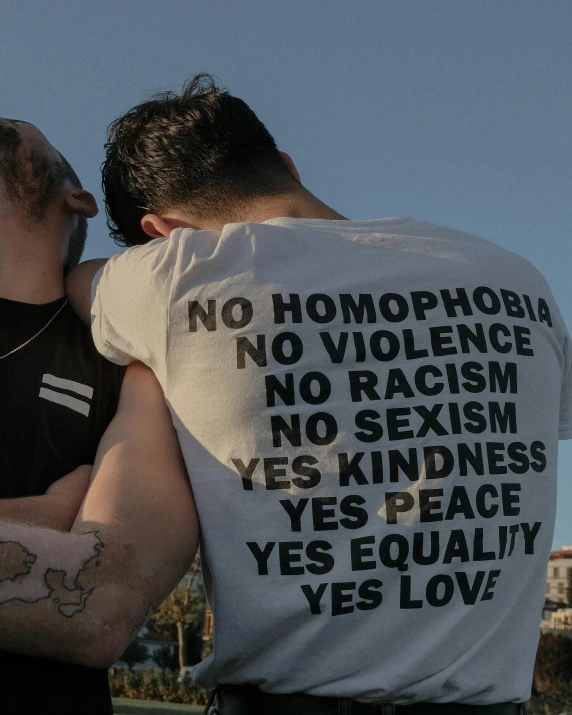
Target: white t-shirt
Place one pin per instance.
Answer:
(369, 413)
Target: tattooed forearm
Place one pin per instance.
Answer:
(31, 577)
(54, 594)
(15, 561)
(69, 596)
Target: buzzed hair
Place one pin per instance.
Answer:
(32, 181)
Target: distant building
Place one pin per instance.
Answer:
(557, 575)
(153, 643)
(561, 619)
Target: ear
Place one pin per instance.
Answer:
(81, 203)
(289, 164)
(155, 226)
(161, 226)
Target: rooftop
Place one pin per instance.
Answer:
(565, 553)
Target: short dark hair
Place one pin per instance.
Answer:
(202, 147)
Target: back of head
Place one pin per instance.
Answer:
(202, 149)
(30, 178)
(32, 174)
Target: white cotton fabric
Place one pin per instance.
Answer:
(449, 631)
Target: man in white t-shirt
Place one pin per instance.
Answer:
(368, 411)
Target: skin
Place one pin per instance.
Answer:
(32, 254)
(298, 203)
(57, 508)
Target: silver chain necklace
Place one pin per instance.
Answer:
(23, 345)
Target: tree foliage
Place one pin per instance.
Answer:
(553, 667)
(134, 653)
(569, 586)
(208, 647)
(155, 685)
(164, 658)
(180, 616)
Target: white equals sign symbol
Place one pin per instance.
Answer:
(62, 398)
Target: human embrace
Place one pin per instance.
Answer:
(362, 416)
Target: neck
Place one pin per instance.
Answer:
(301, 204)
(30, 262)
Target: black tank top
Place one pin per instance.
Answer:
(57, 396)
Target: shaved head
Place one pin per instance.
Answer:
(32, 173)
(31, 176)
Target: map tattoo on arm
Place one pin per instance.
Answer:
(72, 596)
(32, 573)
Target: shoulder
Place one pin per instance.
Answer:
(140, 270)
(133, 263)
(151, 254)
(483, 250)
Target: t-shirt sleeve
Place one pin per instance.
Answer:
(565, 431)
(130, 302)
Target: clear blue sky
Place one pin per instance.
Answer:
(451, 111)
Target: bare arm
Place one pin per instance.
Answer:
(81, 596)
(78, 287)
(57, 508)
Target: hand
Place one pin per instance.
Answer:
(69, 492)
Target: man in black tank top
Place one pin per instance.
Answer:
(58, 393)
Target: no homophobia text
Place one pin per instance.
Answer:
(237, 313)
